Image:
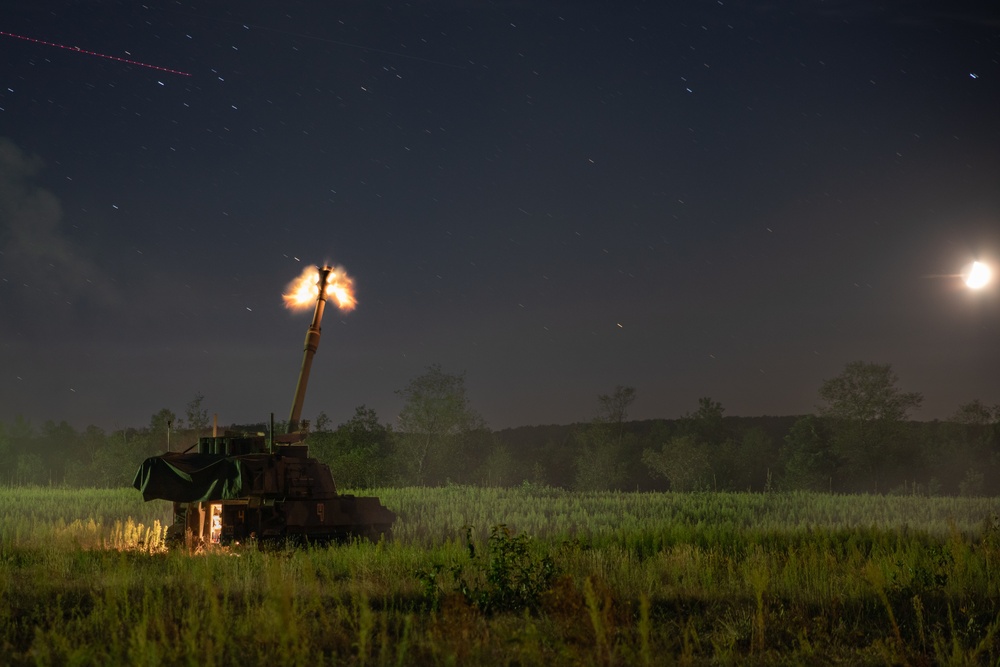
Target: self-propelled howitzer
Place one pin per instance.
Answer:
(238, 487)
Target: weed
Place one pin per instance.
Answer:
(513, 576)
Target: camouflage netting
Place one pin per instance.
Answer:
(189, 478)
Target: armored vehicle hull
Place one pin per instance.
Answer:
(239, 487)
(233, 491)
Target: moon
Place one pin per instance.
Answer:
(976, 275)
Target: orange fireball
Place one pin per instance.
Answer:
(304, 290)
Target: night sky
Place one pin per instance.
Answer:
(698, 198)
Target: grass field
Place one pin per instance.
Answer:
(572, 579)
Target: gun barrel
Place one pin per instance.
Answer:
(311, 345)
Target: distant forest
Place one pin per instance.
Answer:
(861, 441)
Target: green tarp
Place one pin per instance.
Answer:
(190, 478)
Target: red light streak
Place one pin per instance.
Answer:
(77, 49)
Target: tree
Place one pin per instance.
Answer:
(976, 413)
(6, 457)
(614, 408)
(322, 423)
(161, 427)
(708, 428)
(809, 463)
(600, 463)
(30, 469)
(360, 450)
(323, 444)
(682, 460)
(706, 423)
(756, 460)
(114, 464)
(81, 470)
(434, 419)
(21, 440)
(867, 392)
(197, 416)
(974, 448)
(867, 412)
(57, 443)
(981, 426)
(500, 468)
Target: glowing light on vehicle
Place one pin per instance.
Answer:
(215, 531)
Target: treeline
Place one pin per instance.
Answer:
(861, 440)
(58, 454)
(758, 454)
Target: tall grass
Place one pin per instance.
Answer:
(641, 579)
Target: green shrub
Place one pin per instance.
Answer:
(512, 577)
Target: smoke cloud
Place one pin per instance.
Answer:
(37, 258)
